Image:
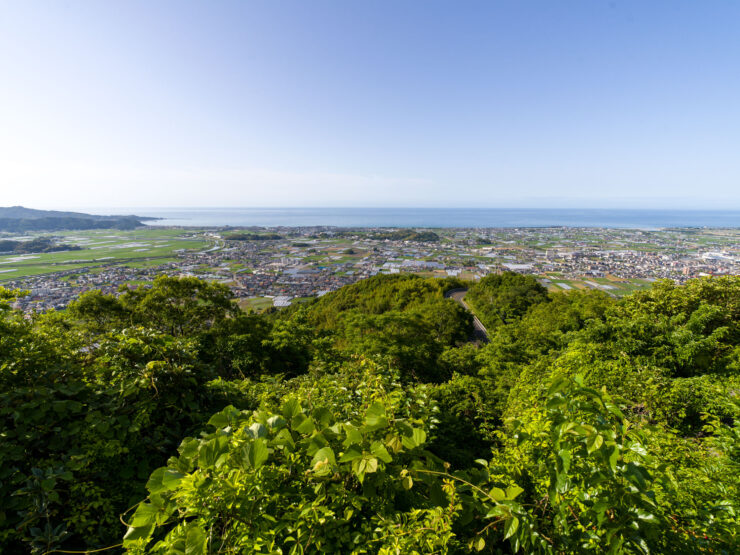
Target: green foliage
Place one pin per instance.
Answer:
(598, 480)
(37, 244)
(178, 306)
(377, 295)
(671, 351)
(407, 235)
(302, 479)
(367, 423)
(405, 338)
(105, 420)
(468, 417)
(500, 299)
(252, 237)
(402, 317)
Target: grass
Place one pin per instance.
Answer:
(255, 303)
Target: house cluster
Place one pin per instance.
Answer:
(308, 262)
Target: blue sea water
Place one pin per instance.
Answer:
(437, 217)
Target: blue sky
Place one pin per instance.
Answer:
(348, 103)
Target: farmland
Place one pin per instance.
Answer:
(101, 248)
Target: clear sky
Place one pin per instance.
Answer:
(347, 103)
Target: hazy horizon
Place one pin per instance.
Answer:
(110, 208)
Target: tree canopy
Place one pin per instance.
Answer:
(163, 419)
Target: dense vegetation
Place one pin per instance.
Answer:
(166, 420)
(407, 235)
(253, 237)
(500, 299)
(37, 244)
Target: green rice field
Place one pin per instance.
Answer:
(137, 248)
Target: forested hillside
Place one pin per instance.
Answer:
(167, 420)
(19, 219)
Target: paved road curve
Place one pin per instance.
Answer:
(481, 333)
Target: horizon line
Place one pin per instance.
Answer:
(361, 207)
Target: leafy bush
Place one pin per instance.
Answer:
(364, 423)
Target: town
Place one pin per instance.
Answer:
(279, 266)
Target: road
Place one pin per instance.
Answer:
(480, 331)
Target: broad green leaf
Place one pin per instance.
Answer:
(284, 438)
(394, 442)
(133, 534)
(302, 424)
(600, 508)
(256, 453)
(316, 442)
(511, 527)
(196, 540)
(210, 451)
(154, 485)
(372, 465)
(594, 442)
(257, 430)
(417, 437)
(645, 516)
(224, 418)
(565, 457)
(145, 515)
(188, 448)
(171, 478)
(353, 435)
(375, 418)
(276, 422)
(512, 492)
(614, 458)
(291, 409)
(497, 494)
(498, 510)
(614, 409)
(358, 467)
(322, 460)
(353, 452)
(379, 450)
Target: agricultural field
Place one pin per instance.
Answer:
(136, 249)
(257, 304)
(612, 285)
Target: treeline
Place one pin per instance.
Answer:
(367, 422)
(407, 235)
(253, 237)
(37, 244)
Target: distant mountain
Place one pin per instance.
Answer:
(19, 219)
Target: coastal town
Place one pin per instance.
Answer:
(279, 266)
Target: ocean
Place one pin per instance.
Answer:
(433, 217)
